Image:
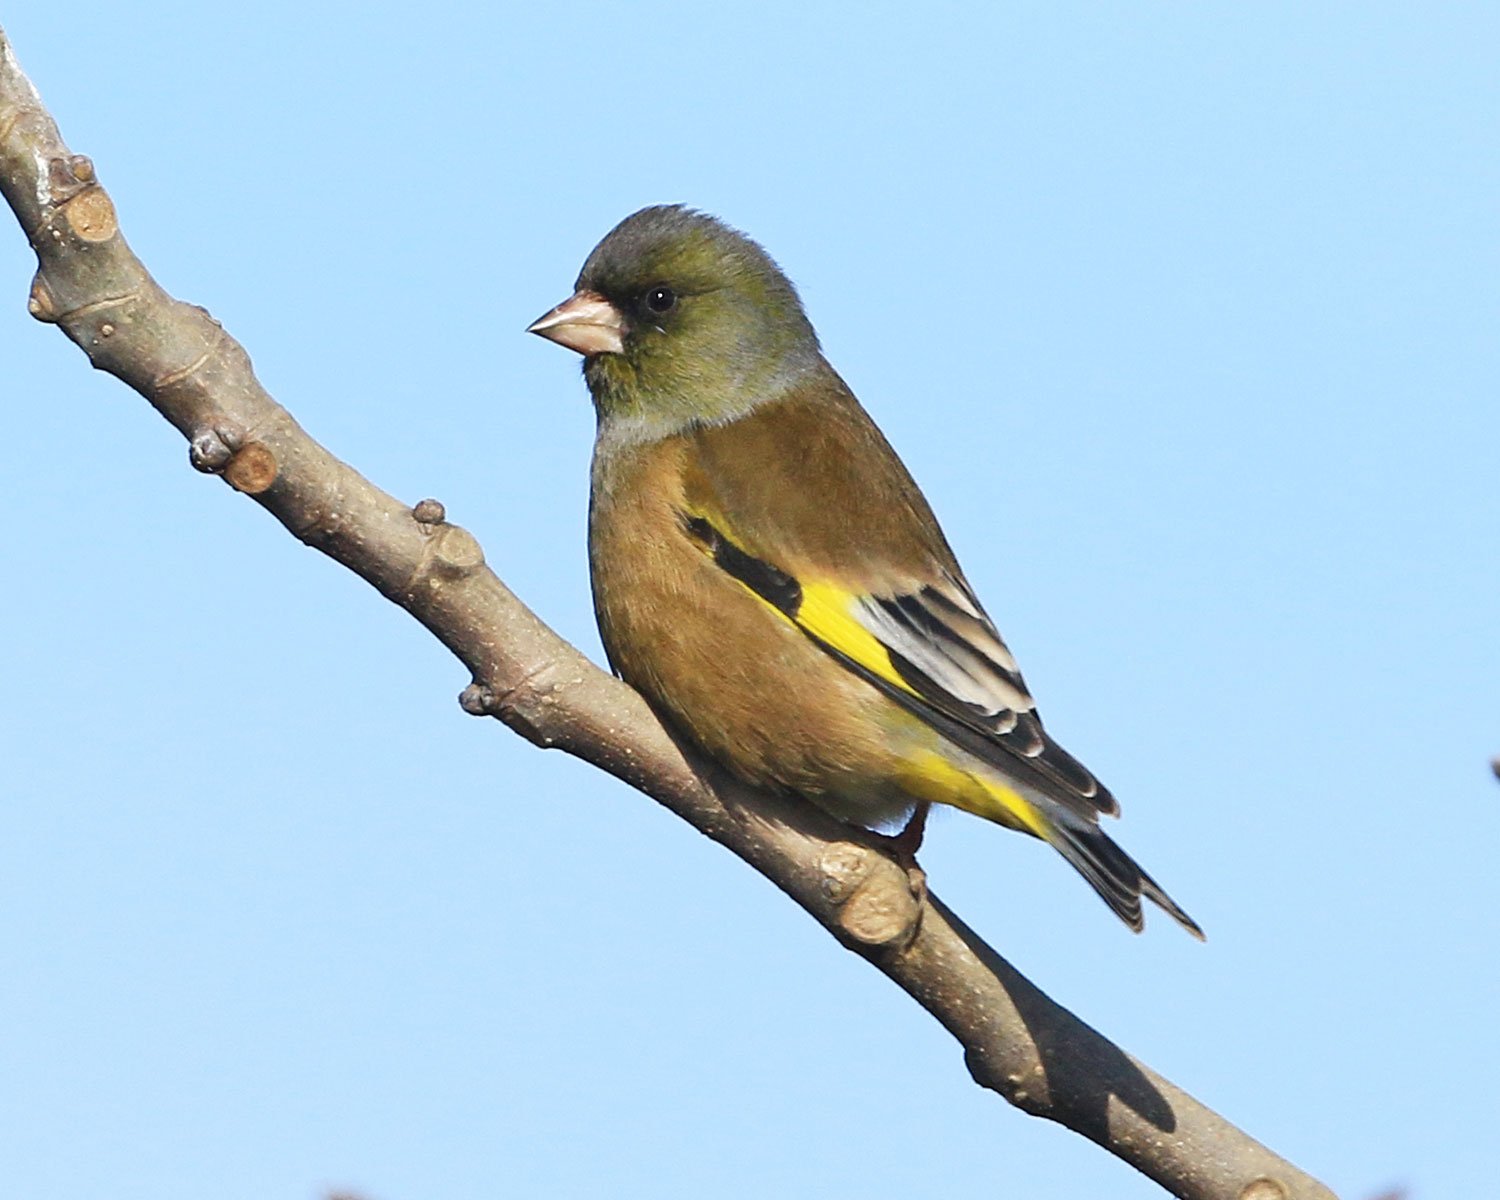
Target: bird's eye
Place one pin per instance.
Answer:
(660, 298)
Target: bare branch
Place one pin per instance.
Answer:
(1016, 1040)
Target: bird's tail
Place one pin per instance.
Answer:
(1117, 877)
(1075, 835)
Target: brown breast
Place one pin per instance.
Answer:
(713, 659)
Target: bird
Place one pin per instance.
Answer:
(767, 574)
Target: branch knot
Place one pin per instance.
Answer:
(876, 905)
(212, 446)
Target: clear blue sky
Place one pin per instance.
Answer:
(1184, 315)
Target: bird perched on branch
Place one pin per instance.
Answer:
(768, 576)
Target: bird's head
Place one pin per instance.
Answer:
(682, 320)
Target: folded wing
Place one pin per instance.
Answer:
(931, 649)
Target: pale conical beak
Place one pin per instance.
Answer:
(585, 322)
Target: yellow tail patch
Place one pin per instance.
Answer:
(928, 775)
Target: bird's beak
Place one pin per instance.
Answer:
(585, 322)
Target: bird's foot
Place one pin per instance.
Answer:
(903, 848)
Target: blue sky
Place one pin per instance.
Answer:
(1184, 316)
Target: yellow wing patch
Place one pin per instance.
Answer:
(825, 613)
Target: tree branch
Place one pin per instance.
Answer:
(1016, 1040)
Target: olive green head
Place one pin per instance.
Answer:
(682, 320)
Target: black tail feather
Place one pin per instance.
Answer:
(1116, 876)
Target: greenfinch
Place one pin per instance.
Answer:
(768, 576)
